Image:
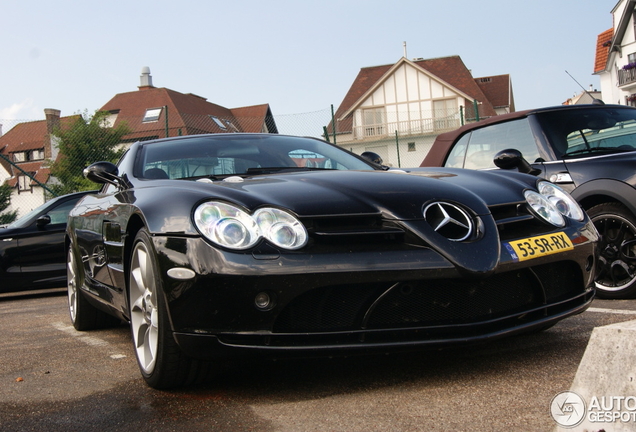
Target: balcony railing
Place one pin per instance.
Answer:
(626, 76)
(409, 127)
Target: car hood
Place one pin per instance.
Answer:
(396, 194)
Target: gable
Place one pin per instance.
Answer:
(424, 79)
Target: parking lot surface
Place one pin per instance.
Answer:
(54, 378)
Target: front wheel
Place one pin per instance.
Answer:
(160, 359)
(616, 265)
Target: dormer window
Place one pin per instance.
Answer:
(30, 155)
(218, 122)
(152, 115)
(224, 124)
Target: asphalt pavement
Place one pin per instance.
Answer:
(53, 378)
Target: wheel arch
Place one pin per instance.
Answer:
(605, 190)
(135, 223)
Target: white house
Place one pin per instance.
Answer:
(615, 60)
(397, 110)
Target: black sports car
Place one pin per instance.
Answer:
(588, 150)
(229, 244)
(32, 252)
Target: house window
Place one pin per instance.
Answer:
(218, 122)
(111, 118)
(631, 58)
(37, 154)
(152, 115)
(24, 183)
(374, 121)
(411, 147)
(445, 114)
(19, 157)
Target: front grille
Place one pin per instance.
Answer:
(429, 303)
(515, 221)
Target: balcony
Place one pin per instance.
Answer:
(626, 76)
(427, 126)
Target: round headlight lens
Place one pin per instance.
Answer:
(562, 200)
(544, 208)
(231, 227)
(226, 225)
(281, 228)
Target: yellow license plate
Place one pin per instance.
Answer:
(535, 247)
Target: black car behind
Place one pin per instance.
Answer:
(32, 253)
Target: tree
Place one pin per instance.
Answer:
(5, 202)
(88, 139)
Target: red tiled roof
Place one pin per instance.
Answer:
(498, 90)
(187, 113)
(35, 169)
(28, 136)
(603, 43)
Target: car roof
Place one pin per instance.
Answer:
(443, 142)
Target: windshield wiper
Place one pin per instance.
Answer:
(598, 150)
(273, 170)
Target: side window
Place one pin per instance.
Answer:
(458, 153)
(59, 214)
(487, 141)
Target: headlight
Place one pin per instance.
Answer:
(552, 203)
(562, 200)
(281, 228)
(232, 227)
(544, 208)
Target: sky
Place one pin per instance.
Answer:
(298, 56)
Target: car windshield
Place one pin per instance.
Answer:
(598, 130)
(210, 156)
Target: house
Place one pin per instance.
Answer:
(397, 110)
(158, 112)
(615, 59)
(150, 112)
(24, 154)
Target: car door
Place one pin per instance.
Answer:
(9, 262)
(41, 248)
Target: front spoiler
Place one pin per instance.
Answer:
(267, 344)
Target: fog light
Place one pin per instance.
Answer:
(263, 301)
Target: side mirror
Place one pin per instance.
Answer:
(103, 172)
(372, 157)
(43, 220)
(512, 158)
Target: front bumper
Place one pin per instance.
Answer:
(362, 301)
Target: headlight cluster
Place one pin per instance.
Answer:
(552, 203)
(230, 226)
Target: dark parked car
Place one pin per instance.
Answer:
(32, 252)
(220, 245)
(588, 150)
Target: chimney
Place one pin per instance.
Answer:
(52, 123)
(146, 78)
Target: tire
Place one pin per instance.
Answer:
(616, 264)
(160, 360)
(84, 316)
